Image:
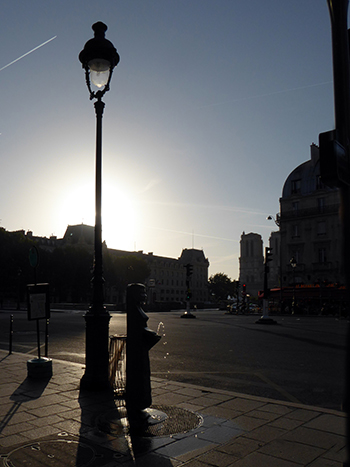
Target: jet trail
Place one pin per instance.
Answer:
(33, 50)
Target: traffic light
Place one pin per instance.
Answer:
(334, 165)
(244, 290)
(268, 254)
(189, 295)
(189, 269)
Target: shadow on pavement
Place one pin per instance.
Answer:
(105, 434)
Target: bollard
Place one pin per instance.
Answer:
(140, 339)
(11, 334)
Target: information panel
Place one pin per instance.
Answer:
(38, 301)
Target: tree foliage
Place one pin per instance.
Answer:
(221, 287)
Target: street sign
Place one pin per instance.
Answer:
(33, 257)
(38, 301)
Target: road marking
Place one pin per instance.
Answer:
(75, 354)
(277, 387)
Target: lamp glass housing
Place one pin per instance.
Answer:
(99, 71)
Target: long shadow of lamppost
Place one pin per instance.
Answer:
(98, 58)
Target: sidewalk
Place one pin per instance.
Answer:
(50, 423)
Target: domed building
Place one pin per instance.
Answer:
(310, 227)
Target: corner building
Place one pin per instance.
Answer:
(310, 227)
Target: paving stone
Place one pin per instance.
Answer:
(70, 426)
(13, 440)
(45, 421)
(205, 401)
(286, 423)
(248, 423)
(195, 454)
(219, 433)
(316, 438)
(325, 463)
(269, 416)
(240, 447)
(15, 429)
(189, 392)
(41, 432)
(217, 458)
(191, 407)
(337, 454)
(241, 405)
(330, 423)
(303, 415)
(266, 433)
(295, 452)
(170, 399)
(219, 397)
(150, 460)
(221, 412)
(257, 459)
(183, 446)
(19, 417)
(277, 409)
(48, 410)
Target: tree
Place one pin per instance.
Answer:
(221, 286)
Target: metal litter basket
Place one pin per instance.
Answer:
(117, 364)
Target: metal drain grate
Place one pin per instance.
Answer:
(178, 421)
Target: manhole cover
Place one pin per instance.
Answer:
(177, 421)
(56, 453)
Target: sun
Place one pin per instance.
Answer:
(118, 213)
(118, 218)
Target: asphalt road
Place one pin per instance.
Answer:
(301, 359)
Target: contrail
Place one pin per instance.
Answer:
(191, 233)
(33, 50)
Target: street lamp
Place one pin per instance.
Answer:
(277, 221)
(293, 264)
(98, 58)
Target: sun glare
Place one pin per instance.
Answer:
(118, 218)
(118, 213)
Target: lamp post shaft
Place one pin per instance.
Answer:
(97, 318)
(338, 10)
(98, 296)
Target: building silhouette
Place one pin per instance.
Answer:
(167, 280)
(310, 226)
(251, 269)
(309, 233)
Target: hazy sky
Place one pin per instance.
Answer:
(212, 105)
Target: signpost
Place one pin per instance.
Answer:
(38, 306)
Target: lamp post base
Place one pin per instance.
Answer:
(96, 376)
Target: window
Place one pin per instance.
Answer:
(321, 228)
(322, 258)
(296, 186)
(296, 255)
(295, 230)
(321, 204)
(319, 184)
(295, 207)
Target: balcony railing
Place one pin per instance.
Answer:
(309, 212)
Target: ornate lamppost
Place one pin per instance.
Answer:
(98, 58)
(277, 221)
